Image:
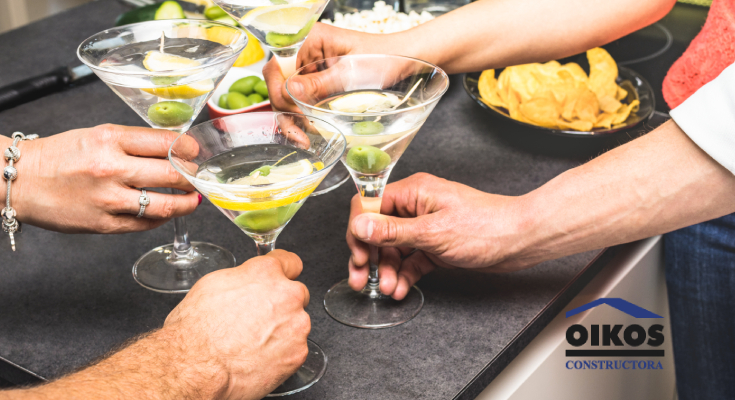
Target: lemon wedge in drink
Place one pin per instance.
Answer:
(155, 61)
(361, 102)
(286, 19)
(259, 199)
(190, 91)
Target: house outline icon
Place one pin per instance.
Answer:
(617, 303)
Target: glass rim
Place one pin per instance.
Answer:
(263, 186)
(235, 54)
(434, 98)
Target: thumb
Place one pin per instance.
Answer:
(386, 231)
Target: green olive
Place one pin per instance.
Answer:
(367, 159)
(237, 100)
(170, 113)
(244, 85)
(222, 101)
(264, 221)
(284, 40)
(255, 98)
(367, 128)
(214, 12)
(262, 89)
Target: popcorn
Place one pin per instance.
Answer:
(382, 19)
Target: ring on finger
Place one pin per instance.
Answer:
(143, 200)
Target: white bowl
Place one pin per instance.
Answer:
(233, 75)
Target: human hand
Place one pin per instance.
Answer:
(326, 41)
(249, 320)
(449, 225)
(84, 180)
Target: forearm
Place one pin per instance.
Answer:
(154, 367)
(498, 33)
(652, 185)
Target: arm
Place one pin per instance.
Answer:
(497, 33)
(484, 34)
(84, 180)
(236, 335)
(156, 366)
(652, 185)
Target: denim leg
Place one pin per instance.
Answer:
(700, 275)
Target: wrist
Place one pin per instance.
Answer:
(524, 247)
(26, 174)
(409, 43)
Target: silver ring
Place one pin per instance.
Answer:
(143, 200)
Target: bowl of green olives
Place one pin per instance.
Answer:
(241, 90)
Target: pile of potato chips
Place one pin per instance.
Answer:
(560, 96)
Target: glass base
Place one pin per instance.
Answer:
(156, 271)
(309, 373)
(361, 310)
(334, 179)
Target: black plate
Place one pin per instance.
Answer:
(627, 79)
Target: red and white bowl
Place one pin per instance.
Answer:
(233, 75)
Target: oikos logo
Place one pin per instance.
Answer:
(603, 338)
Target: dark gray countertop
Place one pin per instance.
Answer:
(68, 299)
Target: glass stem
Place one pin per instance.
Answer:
(373, 192)
(373, 279)
(182, 246)
(265, 247)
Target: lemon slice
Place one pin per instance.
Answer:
(156, 61)
(285, 19)
(361, 102)
(252, 203)
(180, 92)
(251, 54)
(277, 174)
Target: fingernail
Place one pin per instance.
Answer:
(364, 227)
(200, 199)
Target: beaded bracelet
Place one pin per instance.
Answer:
(12, 155)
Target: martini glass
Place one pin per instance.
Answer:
(379, 102)
(281, 25)
(258, 169)
(166, 71)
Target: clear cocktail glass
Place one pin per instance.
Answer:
(258, 169)
(166, 71)
(281, 25)
(378, 102)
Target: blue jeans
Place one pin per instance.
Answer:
(700, 275)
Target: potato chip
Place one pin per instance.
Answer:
(576, 125)
(576, 71)
(603, 73)
(625, 111)
(622, 93)
(541, 111)
(488, 87)
(587, 107)
(561, 96)
(609, 104)
(604, 120)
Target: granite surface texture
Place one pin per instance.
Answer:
(68, 299)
